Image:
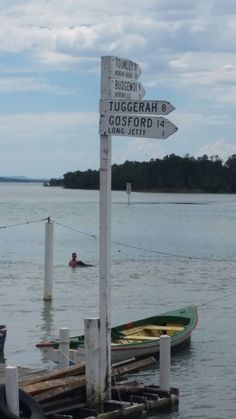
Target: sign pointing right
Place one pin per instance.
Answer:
(151, 107)
(136, 126)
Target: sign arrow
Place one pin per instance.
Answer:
(136, 126)
(137, 107)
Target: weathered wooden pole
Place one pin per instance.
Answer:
(104, 246)
(165, 363)
(12, 389)
(48, 263)
(64, 347)
(105, 262)
(91, 334)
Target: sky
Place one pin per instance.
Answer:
(50, 71)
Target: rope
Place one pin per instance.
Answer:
(126, 245)
(24, 223)
(130, 246)
(215, 299)
(172, 254)
(66, 357)
(75, 229)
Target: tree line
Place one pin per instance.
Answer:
(170, 174)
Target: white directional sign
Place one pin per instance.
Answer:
(121, 68)
(154, 107)
(119, 79)
(136, 126)
(126, 89)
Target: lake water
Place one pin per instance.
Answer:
(168, 251)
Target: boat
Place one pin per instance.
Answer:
(3, 334)
(137, 339)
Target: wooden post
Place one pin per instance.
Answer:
(105, 262)
(128, 190)
(64, 348)
(48, 264)
(165, 363)
(91, 334)
(12, 389)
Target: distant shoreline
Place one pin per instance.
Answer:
(19, 180)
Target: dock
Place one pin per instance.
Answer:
(62, 392)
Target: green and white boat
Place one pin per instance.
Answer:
(138, 339)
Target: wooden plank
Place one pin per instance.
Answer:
(128, 332)
(63, 390)
(134, 409)
(62, 409)
(65, 401)
(23, 372)
(141, 338)
(134, 366)
(37, 388)
(125, 362)
(64, 372)
(165, 328)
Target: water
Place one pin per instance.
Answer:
(168, 250)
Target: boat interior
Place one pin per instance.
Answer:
(145, 333)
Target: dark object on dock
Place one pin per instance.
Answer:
(3, 334)
(62, 393)
(139, 338)
(29, 408)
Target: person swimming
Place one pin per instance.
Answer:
(74, 262)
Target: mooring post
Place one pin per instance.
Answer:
(12, 389)
(91, 334)
(48, 263)
(64, 348)
(165, 363)
(128, 190)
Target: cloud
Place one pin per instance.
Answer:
(220, 148)
(51, 128)
(31, 84)
(48, 144)
(185, 48)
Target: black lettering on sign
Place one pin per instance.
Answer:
(161, 123)
(125, 64)
(116, 130)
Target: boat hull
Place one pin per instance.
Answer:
(3, 334)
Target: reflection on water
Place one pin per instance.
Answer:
(47, 316)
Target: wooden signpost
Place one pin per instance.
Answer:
(123, 112)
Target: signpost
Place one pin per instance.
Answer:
(122, 112)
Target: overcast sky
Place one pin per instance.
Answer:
(50, 79)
